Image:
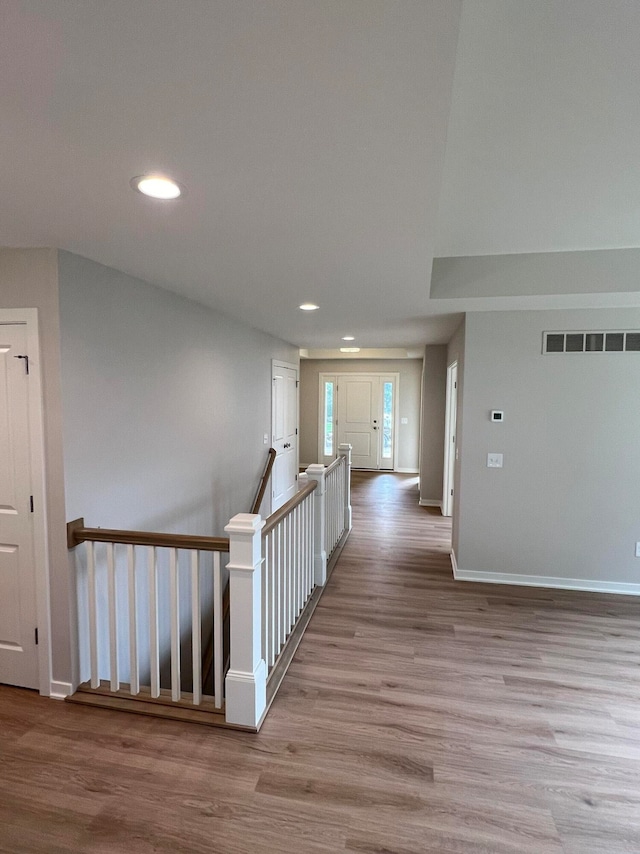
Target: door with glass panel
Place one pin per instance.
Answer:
(360, 410)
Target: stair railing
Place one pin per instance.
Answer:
(147, 599)
(139, 619)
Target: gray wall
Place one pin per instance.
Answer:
(165, 404)
(587, 272)
(566, 502)
(434, 382)
(29, 279)
(410, 371)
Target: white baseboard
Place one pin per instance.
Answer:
(60, 690)
(406, 471)
(430, 502)
(588, 585)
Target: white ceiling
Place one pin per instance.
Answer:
(543, 151)
(311, 136)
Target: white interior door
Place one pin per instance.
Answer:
(18, 653)
(284, 434)
(451, 417)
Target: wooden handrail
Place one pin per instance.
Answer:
(283, 511)
(77, 533)
(271, 456)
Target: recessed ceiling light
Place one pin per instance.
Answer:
(157, 186)
(308, 306)
(348, 338)
(349, 349)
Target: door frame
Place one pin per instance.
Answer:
(450, 431)
(29, 317)
(280, 363)
(326, 376)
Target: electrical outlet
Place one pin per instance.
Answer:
(637, 549)
(494, 461)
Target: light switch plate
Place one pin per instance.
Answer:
(404, 420)
(494, 461)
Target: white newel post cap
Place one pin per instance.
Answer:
(244, 530)
(316, 472)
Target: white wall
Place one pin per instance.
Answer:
(29, 279)
(565, 505)
(434, 386)
(165, 404)
(410, 371)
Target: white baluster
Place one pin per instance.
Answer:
(93, 616)
(196, 628)
(113, 618)
(266, 592)
(175, 624)
(218, 632)
(154, 652)
(287, 578)
(273, 607)
(134, 677)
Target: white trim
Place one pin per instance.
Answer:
(404, 471)
(588, 585)
(430, 502)
(454, 564)
(450, 430)
(60, 690)
(29, 316)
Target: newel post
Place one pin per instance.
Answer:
(246, 682)
(345, 451)
(316, 472)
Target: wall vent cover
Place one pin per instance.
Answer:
(591, 342)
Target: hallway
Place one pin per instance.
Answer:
(419, 716)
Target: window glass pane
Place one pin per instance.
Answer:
(328, 419)
(387, 420)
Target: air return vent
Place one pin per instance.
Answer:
(591, 342)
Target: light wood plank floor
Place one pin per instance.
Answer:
(419, 716)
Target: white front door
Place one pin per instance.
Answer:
(18, 653)
(284, 434)
(366, 418)
(359, 419)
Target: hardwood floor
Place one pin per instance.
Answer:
(419, 716)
